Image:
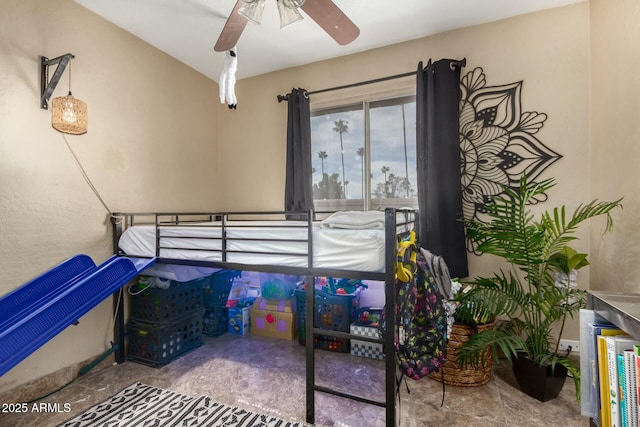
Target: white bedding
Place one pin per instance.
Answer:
(348, 249)
(355, 220)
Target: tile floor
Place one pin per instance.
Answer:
(268, 375)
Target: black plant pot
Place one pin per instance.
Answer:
(539, 382)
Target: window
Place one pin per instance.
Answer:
(364, 155)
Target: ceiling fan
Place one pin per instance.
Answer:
(324, 12)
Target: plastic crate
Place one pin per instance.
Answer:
(332, 312)
(215, 321)
(163, 305)
(337, 345)
(216, 287)
(158, 343)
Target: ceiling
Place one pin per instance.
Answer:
(188, 29)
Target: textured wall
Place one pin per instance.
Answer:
(151, 145)
(615, 140)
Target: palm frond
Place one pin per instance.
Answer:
(500, 294)
(559, 230)
(473, 352)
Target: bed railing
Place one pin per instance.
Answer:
(398, 223)
(212, 229)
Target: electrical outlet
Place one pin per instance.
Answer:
(565, 344)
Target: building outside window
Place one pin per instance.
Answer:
(364, 155)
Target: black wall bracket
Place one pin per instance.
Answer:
(48, 86)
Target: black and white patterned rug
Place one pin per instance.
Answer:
(141, 405)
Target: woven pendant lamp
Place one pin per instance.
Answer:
(69, 114)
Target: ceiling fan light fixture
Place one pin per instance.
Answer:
(288, 13)
(324, 12)
(293, 4)
(252, 10)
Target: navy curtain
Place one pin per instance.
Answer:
(298, 194)
(438, 150)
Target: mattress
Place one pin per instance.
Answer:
(261, 243)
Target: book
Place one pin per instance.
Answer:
(636, 351)
(631, 388)
(612, 372)
(591, 325)
(616, 345)
(597, 372)
(603, 376)
(622, 383)
(588, 367)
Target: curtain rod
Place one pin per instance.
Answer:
(460, 63)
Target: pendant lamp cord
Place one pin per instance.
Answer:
(82, 171)
(85, 176)
(112, 322)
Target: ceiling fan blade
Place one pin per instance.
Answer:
(332, 20)
(232, 29)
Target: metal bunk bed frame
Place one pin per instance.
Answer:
(121, 221)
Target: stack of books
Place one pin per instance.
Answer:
(610, 366)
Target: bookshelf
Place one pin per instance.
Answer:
(623, 310)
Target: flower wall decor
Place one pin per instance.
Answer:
(498, 143)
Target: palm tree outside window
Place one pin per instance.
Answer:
(365, 155)
(322, 155)
(341, 127)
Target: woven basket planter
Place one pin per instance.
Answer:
(451, 372)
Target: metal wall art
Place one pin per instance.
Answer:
(498, 142)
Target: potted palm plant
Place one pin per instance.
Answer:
(524, 294)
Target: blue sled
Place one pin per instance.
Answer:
(40, 309)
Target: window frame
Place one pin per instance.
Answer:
(367, 202)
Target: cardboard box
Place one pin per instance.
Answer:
(273, 318)
(366, 348)
(239, 320)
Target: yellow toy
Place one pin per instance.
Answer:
(406, 261)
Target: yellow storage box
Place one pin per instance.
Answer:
(274, 318)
